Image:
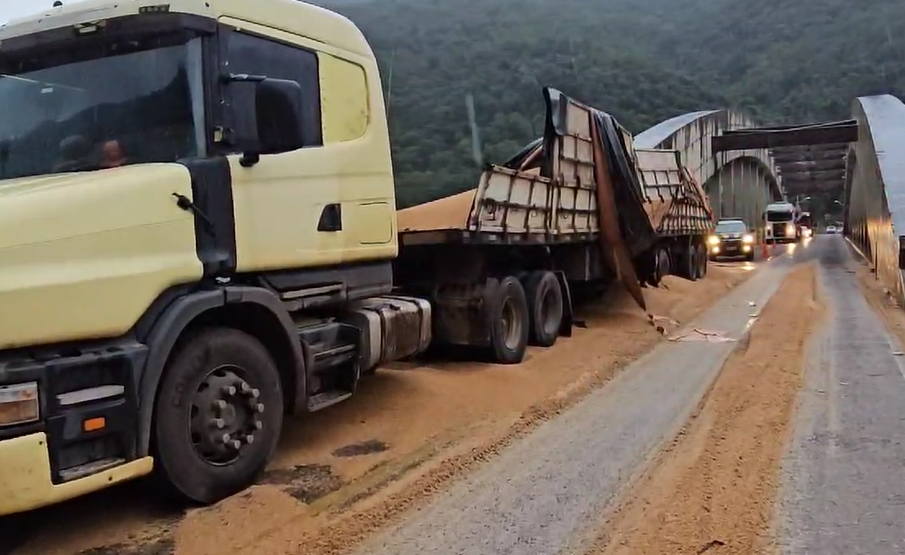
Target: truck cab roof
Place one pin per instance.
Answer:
(780, 207)
(286, 15)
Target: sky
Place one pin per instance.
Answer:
(11, 9)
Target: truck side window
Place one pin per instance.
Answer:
(258, 56)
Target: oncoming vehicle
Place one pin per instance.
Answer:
(780, 223)
(731, 238)
(805, 225)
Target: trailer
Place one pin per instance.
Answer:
(572, 212)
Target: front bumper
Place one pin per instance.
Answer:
(25, 482)
(731, 248)
(86, 438)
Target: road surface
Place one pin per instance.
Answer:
(546, 494)
(551, 491)
(402, 424)
(844, 491)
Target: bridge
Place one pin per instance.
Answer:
(859, 163)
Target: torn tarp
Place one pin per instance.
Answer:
(634, 223)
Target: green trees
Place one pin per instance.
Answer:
(641, 60)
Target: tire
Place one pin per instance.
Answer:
(661, 267)
(509, 322)
(545, 308)
(190, 458)
(691, 263)
(703, 259)
(750, 257)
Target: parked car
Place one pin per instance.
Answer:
(731, 238)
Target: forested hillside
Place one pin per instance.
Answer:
(502, 53)
(642, 60)
(785, 61)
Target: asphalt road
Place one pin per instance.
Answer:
(547, 493)
(844, 491)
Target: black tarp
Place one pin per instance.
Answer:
(634, 222)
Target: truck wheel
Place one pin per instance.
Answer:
(664, 264)
(703, 259)
(509, 322)
(218, 415)
(545, 308)
(690, 261)
(660, 263)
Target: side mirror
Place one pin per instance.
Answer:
(268, 116)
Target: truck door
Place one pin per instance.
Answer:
(302, 208)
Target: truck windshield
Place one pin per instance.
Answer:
(779, 216)
(124, 103)
(730, 227)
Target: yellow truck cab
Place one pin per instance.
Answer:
(197, 224)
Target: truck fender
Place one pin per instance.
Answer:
(173, 322)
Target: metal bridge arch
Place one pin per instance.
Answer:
(875, 188)
(740, 183)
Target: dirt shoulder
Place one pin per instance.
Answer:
(345, 472)
(713, 490)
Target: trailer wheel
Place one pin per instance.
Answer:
(545, 308)
(661, 266)
(690, 263)
(509, 322)
(218, 415)
(702, 261)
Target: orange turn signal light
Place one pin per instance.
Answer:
(94, 424)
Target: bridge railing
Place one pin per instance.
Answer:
(875, 188)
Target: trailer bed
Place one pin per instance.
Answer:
(546, 194)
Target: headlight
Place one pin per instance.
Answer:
(748, 239)
(790, 229)
(713, 240)
(19, 404)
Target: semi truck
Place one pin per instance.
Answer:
(199, 237)
(780, 223)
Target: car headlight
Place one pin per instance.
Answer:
(713, 240)
(748, 239)
(790, 229)
(19, 404)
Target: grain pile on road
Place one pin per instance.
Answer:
(345, 472)
(713, 490)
